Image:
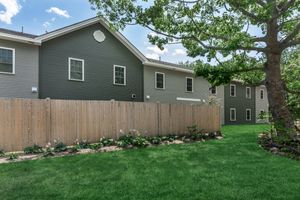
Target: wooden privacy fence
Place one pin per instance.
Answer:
(24, 122)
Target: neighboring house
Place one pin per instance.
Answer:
(240, 102)
(171, 83)
(19, 66)
(88, 61)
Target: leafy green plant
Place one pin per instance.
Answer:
(107, 141)
(84, 144)
(12, 156)
(125, 140)
(2, 153)
(60, 147)
(140, 141)
(95, 146)
(35, 149)
(156, 140)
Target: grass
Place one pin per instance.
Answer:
(233, 168)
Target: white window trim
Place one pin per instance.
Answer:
(249, 93)
(216, 90)
(13, 61)
(186, 78)
(234, 90)
(232, 120)
(114, 75)
(187, 99)
(261, 90)
(164, 82)
(250, 115)
(76, 59)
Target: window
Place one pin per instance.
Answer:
(248, 92)
(119, 75)
(213, 90)
(7, 60)
(159, 80)
(76, 69)
(248, 114)
(232, 90)
(189, 84)
(232, 114)
(262, 94)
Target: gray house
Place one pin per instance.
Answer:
(88, 61)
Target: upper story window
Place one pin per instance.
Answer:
(232, 114)
(76, 69)
(213, 90)
(232, 90)
(248, 92)
(119, 75)
(262, 94)
(189, 84)
(248, 114)
(159, 80)
(7, 60)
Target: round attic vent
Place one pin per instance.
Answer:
(99, 36)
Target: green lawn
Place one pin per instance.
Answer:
(232, 168)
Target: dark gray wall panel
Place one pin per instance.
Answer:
(99, 60)
(240, 103)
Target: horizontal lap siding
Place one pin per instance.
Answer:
(27, 122)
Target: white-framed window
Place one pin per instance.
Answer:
(248, 92)
(76, 69)
(262, 95)
(119, 75)
(189, 84)
(213, 90)
(232, 90)
(232, 114)
(248, 114)
(160, 82)
(7, 60)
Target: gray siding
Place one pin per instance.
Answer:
(175, 86)
(19, 85)
(99, 60)
(261, 104)
(240, 103)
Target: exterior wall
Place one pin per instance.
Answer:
(261, 104)
(175, 86)
(19, 85)
(99, 59)
(240, 103)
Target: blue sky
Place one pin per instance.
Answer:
(37, 16)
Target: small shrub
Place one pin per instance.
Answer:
(95, 146)
(107, 141)
(35, 149)
(49, 151)
(169, 138)
(140, 141)
(74, 149)
(156, 140)
(125, 140)
(12, 156)
(2, 153)
(60, 147)
(84, 144)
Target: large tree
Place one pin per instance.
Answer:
(241, 36)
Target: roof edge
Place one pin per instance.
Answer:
(169, 67)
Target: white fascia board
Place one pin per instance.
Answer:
(169, 67)
(16, 38)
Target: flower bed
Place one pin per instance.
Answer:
(126, 141)
(284, 147)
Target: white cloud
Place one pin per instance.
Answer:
(152, 56)
(59, 12)
(179, 52)
(12, 8)
(157, 50)
(153, 34)
(46, 25)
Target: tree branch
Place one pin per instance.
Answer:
(291, 36)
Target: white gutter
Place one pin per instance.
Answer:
(17, 38)
(169, 67)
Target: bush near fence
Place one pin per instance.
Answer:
(24, 122)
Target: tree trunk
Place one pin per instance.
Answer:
(284, 123)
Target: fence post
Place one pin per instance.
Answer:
(48, 120)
